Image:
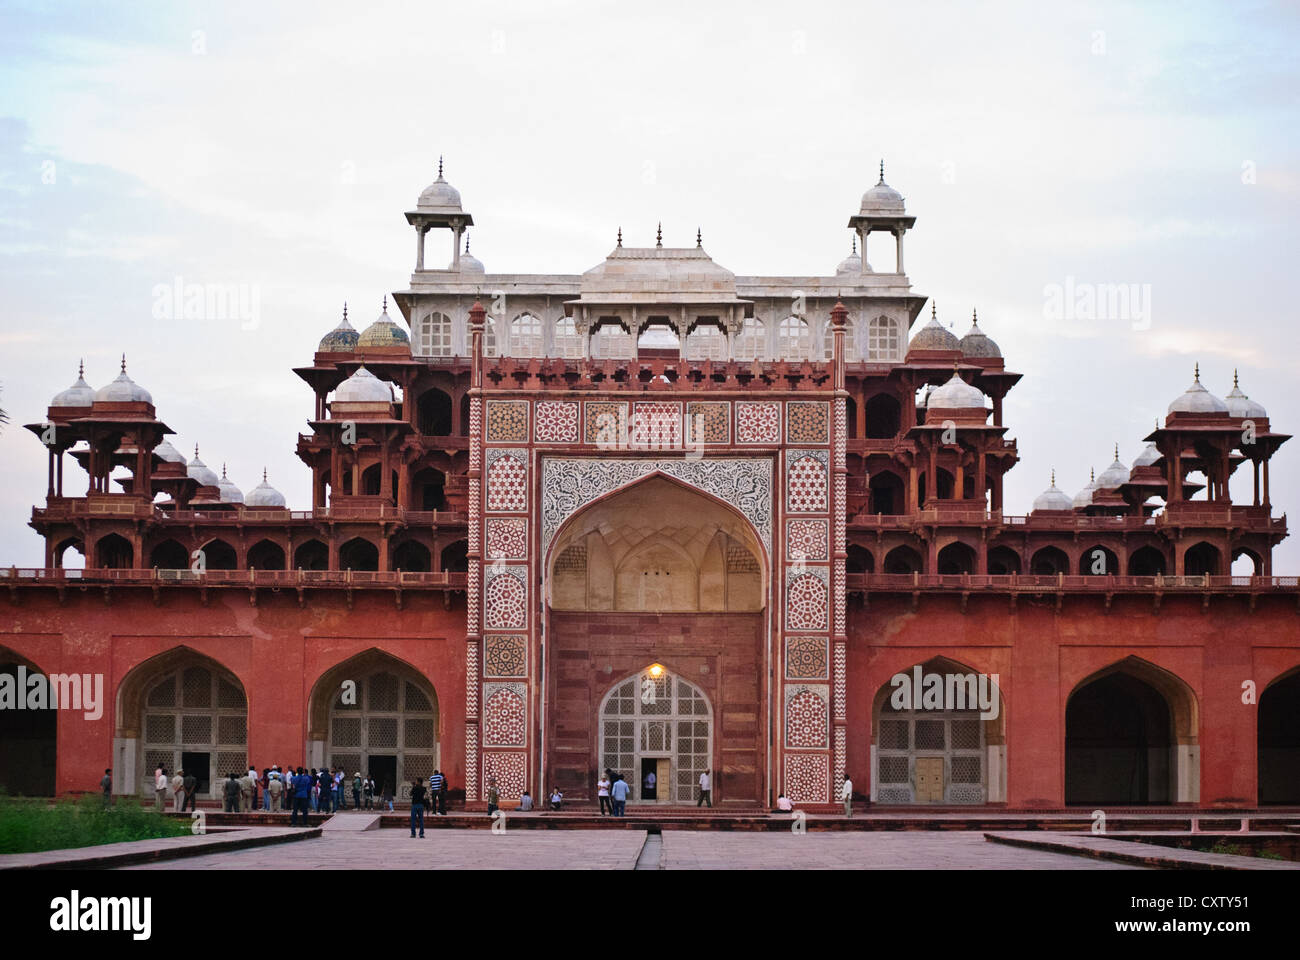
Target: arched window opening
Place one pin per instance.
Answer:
(526, 336)
(751, 342)
(433, 336)
(882, 339)
(794, 339)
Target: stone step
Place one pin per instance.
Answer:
(351, 822)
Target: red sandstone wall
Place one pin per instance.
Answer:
(720, 653)
(276, 649)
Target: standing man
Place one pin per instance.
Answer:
(846, 794)
(619, 793)
(245, 793)
(301, 792)
(191, 783)
(706, 791)
(159, 788)
(417, 806)
(493, 795)
(274, 787)
(232, 791)
(106, 784)
(602, 791)
(438, 794)
(178, 791)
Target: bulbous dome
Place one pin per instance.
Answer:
(229, 492)
(977, 343)
(1196, 399)
(200, 472)
(956, 394)
(169, 453)
(1147, 457)
(852, 263)
(384, 333)
(80, 394)
(363, 387)
(439, 196)
(1238, 404)
(1053, 498)
(264, 495)
(1084, 496)
(882, 199)
(123, 390)
(468, 263)
(342, 339)
(934, 336)
(1113, 475)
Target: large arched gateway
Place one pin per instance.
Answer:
(665, 587)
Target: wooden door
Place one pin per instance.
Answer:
(929, 779)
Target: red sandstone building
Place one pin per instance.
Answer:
(665, 519)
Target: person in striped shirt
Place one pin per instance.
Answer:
(437, 794)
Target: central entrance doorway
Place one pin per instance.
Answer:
(656, 730)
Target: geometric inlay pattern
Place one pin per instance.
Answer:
(807, 540)
(557, 422)
(504, 715)
(568, 485)
(805, 777)
(507, 538)
(505, 656)
(807, 598)
(505, 597)
(808, 421)
(657, 425)
(806, 481)
(507, 482)
(606, 423)
(758, 422)
(807, 718)
(805, 658)
(508, 769)
(507, 421)
(712, 417)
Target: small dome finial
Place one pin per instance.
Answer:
(385, 303)
(124, 363)
(440, 166)
(933, 312)
(659, 235)
(1116, 451)
(467, 241)
(1092, 475)
(1197, 374)
(81, 367)
(854, 245)
(1234, 376)
(345, 310)
(620, 237)
(882, 170)
(699, 239)
(223, 472)
(1053, 476)
(974, 317)
(196, 451)
(264, 474)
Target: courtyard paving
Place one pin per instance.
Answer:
(452, 849)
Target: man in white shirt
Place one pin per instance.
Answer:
(602, 792)
(159, 788)
(706, 790)
(784, 803)
(846, 794)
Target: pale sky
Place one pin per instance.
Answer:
(277, 146)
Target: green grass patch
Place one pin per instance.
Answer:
(33, 825)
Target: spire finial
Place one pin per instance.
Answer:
(1234, 376)
(1053, 476)
(1197, 374)
(196, 451)
(659, 235)
(440, 166)
(223, 471)
(81, 368)
(974, 317)
(124, 363)
(620, 237)
(855, 245)
(345, 311)
(467, 241)
(882, 170)
(699, 238)
(264, 474)
(1116, 451)
(933, 315)
(1092, 475)
(385, 303)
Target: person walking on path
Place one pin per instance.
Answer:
(846, 794)
(417, 806)
(178, 791)
(619, 792)
(706, 791)
(159, 788)
(301, 793)
(191, 783)
(106, 784)
(602, 791)
(493, 795)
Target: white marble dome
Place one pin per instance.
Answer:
(852, 263)
(363, 387)
(169, 453)
(1053, 498)
(123, 390)
(1113, 475)
(468, 262)
(956, 394)
(1084, 496)
(977, 343)
(229, 492)
(1196, 399)
(80, 394)
(1240, 405)
(934, 336)
(439, 196)
(882, 200)
(264, 495)
(1147, 457)
(200, 472)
